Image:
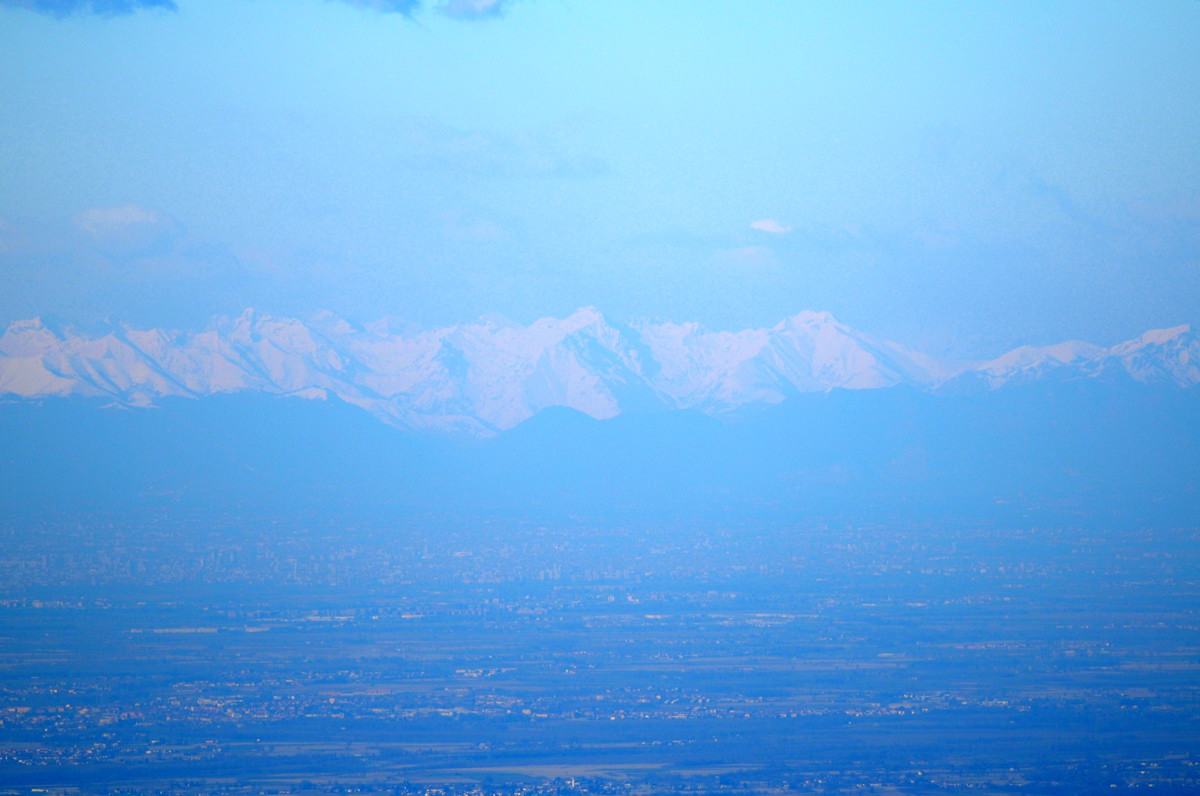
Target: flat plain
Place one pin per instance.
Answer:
(213, 654)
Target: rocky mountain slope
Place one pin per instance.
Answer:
(488, 376)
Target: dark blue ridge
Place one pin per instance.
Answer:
(1078, 452)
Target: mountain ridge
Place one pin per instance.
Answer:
(1077, 452)
(487, 376)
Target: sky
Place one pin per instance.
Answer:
(960, 177)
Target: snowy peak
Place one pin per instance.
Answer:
(27, 338)
(1170, 356)
(492, 374)
(809, 352)
(585, 317)
(809, 322)
(1031, 363)
(1161, 336)
(509, 373)
(1160, 356)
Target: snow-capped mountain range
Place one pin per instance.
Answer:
(484, 377)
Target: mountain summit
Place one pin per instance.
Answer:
(484, 377)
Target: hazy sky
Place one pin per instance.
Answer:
(958, 176)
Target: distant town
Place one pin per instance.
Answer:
(219, 654)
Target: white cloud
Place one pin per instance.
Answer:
(770, 225)
(473, 9)
(108, 8)
(458, 9)
(127, 230)
(405, 7)
(101, 221)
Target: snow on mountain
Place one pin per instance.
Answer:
(809, 352)
(23, 368)
(1161, 356)
(491, 374)
(36, 361)
(1029, 364)
(504, 373)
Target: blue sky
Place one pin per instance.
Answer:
(962, 177)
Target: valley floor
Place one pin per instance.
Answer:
(254, 655)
